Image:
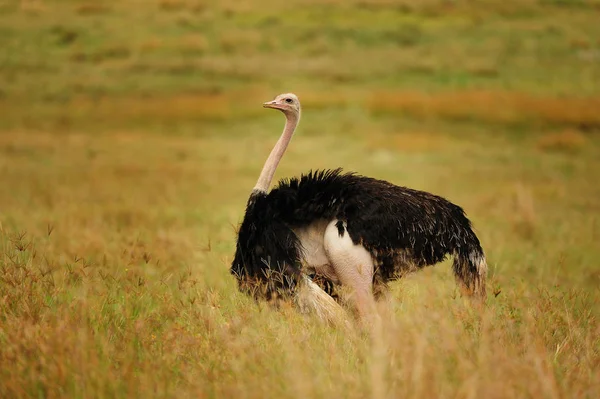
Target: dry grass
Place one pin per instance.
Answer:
(119, 287)
(492, 107)
(408, 141)
(130, 336)
(92, 9)
(524, 213)
(502, 108)
(240, 41)
(32, 6)
(172, 5)
(130, 137)
(568, 140)
(93, 330)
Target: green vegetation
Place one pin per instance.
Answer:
(132, 132)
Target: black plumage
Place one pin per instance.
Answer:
(402, 228)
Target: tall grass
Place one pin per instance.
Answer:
(129, 140)
(114, 282)
(81, 329)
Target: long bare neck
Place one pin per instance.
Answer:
(268, 171)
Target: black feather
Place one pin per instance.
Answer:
(401, 227)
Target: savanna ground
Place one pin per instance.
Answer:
(132, 132)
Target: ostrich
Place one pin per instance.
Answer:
(345, 229)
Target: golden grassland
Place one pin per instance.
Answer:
(129, 142)
(483, 106)
(115, 251)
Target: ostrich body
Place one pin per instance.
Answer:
(345, 229)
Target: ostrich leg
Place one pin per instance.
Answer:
(353, 267)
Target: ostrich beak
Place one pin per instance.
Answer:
(271, 104)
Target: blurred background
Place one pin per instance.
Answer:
(132, 132)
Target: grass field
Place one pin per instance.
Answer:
(131, 134)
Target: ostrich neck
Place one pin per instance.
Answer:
(268, 171)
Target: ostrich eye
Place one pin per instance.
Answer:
(288, 100)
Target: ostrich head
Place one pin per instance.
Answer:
(287, 103)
